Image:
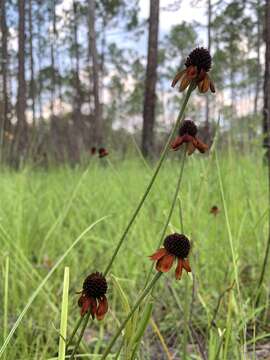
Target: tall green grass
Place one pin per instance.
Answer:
(42, 214)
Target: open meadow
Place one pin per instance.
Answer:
(209, 314)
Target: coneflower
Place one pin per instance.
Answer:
(93, 296)
(103, 152)
(176, 247)
(198, 64)
(188, 134)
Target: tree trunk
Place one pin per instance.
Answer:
(207, 98)
(266, 107)
(5, 126)
(150, 81)
(32, 71)
(77, 136)
(258, 48)
(54, 123)
(97, 132)
(21, 131)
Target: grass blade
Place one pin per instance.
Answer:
(64, 316)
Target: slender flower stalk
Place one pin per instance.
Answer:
(171, 209)
(162, 158)
(267, 249)
(86, 319)
(130, 314)
(78, 324)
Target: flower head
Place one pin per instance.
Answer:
(103, 152)
(93, 296)
(214, 210)
(187, 134)
(198, 64)
(176, 246)
(93, 150)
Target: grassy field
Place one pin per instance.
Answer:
(43, 212)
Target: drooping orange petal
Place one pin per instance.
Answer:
(184, 83)
(212, 87)
(202, 147)
(178, 271)
(158, 254)
(186, 265)
(102, 308)
(85, 304)
(165, 263)
(177, 142)
(191, 148)
(192, 72)
(178, 77)
(204, 85)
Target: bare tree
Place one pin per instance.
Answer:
(97, 135)
(150, 81)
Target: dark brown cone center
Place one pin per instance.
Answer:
(188, 127)
(95, 285)
(178, 245)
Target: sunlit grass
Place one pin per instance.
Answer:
(42, 213)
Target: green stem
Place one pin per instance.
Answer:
(137, 210)
(78, 324)
(267, 249)
(162, 157)
(86, 318)
(171, 209)
(132, 311)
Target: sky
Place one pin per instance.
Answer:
(179, 13)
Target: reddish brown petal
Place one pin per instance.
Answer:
(191, 148)
(177, 142)
(86, 303)
(192, 72)
(202, 75)
(93, 306)
(158, 254)
(200, 145)
(178, 77)
(179, 268)
(184, 83)
(165, 263)
(212, 87)
(186, 265)
(203, 86)
(102, 308)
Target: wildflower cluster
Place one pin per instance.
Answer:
(176, 247)
(102, 152)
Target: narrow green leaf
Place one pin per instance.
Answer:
(64, 317)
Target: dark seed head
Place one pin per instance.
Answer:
(95, 285)
(201, 58)
(188, 127)
(178, 245)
